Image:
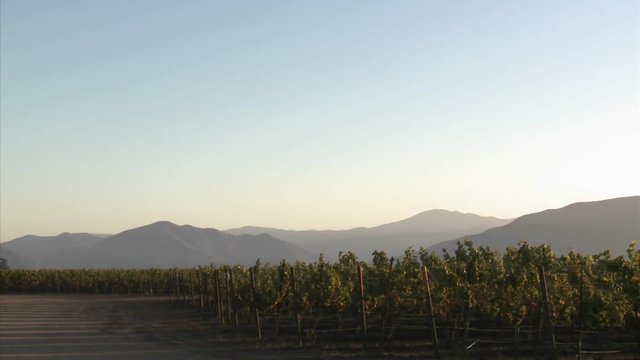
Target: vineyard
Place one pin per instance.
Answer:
(471, 302)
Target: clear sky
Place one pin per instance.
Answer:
(311, 114)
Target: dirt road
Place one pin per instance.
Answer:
(113, 327)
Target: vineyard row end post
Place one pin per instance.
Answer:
(427, 291)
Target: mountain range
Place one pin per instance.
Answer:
(588, 227)
(424, 229)
(160, 245)
(34, 250)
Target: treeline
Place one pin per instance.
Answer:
(469, 284)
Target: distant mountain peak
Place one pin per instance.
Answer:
(159, 244)
(446, 212)
(163, 223)
(168, 225)
(438, 210)
(423, 229)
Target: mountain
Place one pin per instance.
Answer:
(14, 260)
(33, 249)
(164, 244)
(587, 227)
(423, 229)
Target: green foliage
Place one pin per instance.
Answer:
(478, 283)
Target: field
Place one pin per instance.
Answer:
(475, 303)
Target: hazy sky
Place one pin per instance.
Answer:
(311, 114)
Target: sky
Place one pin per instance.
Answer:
(311, 114)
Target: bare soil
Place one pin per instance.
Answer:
(85, 326)
(119, 327)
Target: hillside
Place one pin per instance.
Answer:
(587, 227)
(423, 229)
(164, 244)
(34, 249)
(14, 260)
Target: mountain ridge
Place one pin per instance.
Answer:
(33, 249)
(423, 229)
(162, 244)
(588, 227)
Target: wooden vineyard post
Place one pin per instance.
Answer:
(547, 313)
(185, 287)
(363, 310)
(427, 292)
(216, 280)
(294, 290)
(282, 278)
(233, 310)
(227, 279)
(209, 286)
(581, 302)
(202, 279)
(320, 300)
(254, 302)
(192, 288)
(177, 286)
(580, 311)
(387, 298)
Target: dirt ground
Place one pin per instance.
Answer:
(118, 327)
(121, 327)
